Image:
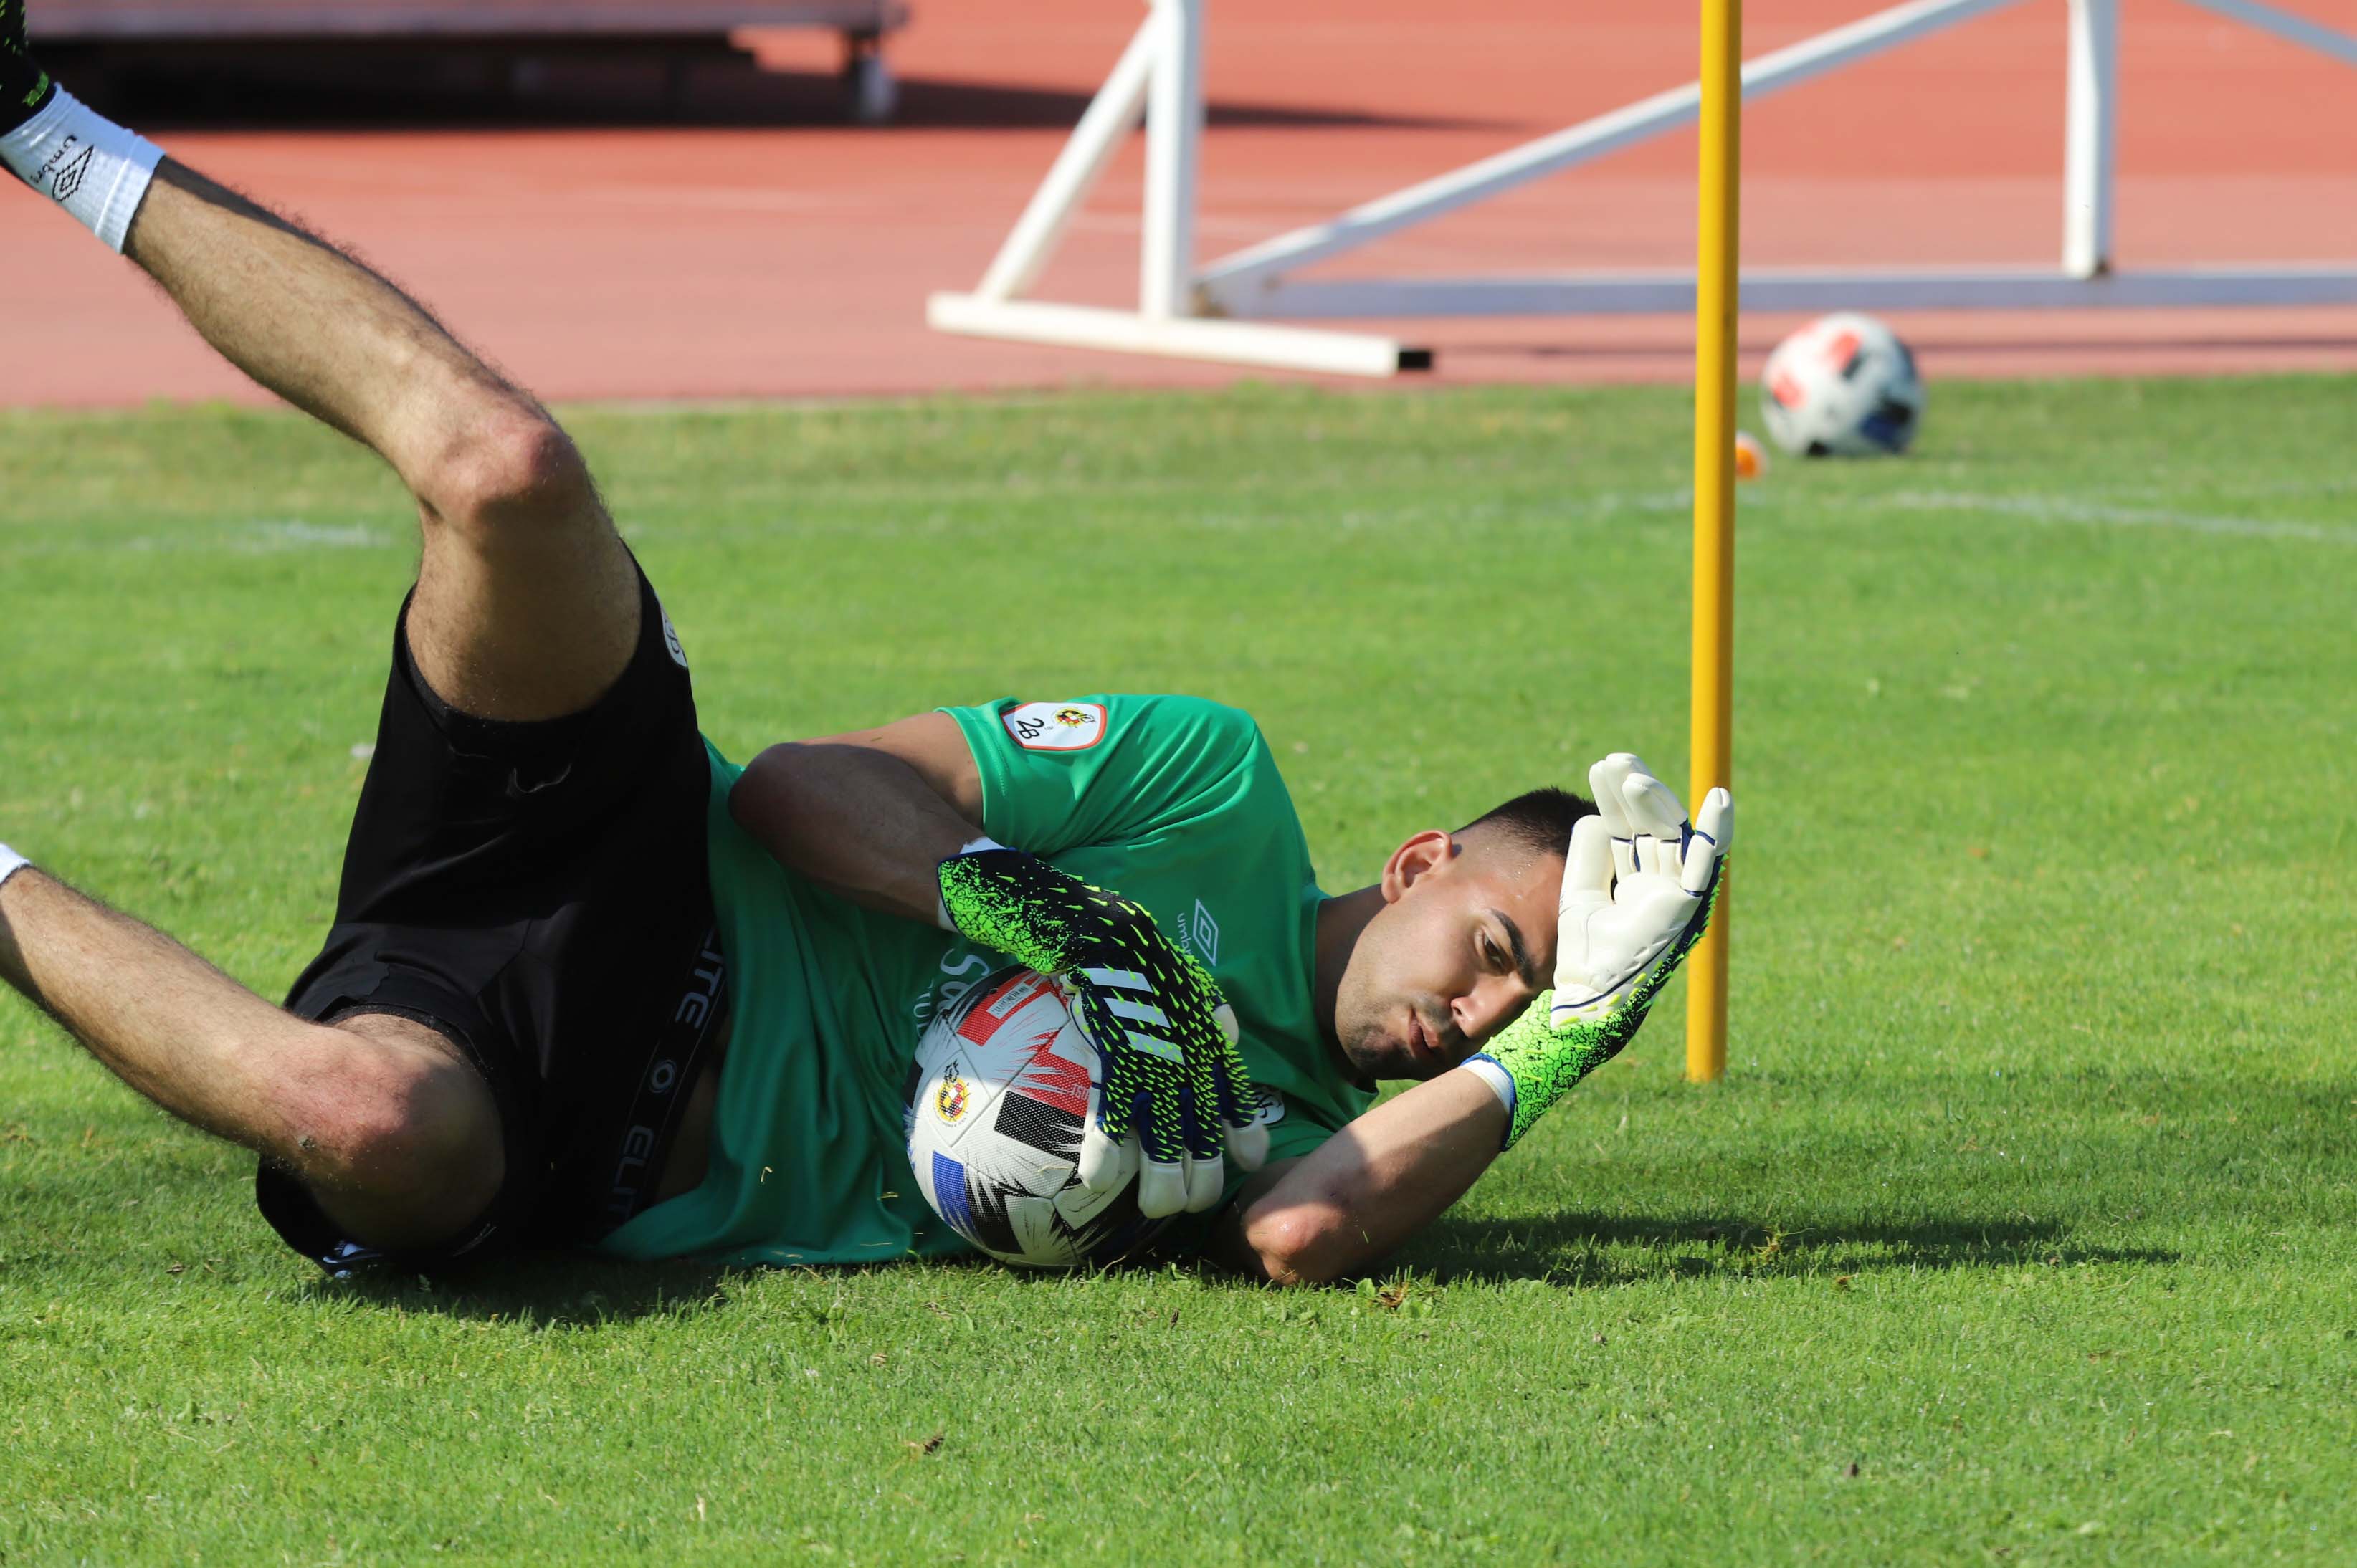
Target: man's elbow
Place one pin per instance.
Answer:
(1297, 1246)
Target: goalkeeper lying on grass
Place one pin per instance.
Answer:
(589, 986)
(1177, 804)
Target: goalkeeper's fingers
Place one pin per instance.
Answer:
(1206, 1180)
(1248, 1145)
(1605, 782)
(1587, 869)
(1162, 1187)
(1707, 842)
(1106, 1162)
(1201, 1129)
(1247, 1138)
(1660, 823)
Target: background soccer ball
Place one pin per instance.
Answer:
(1004, 1082)
(1844, 385)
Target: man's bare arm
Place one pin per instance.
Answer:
(1366, 1188)
(871, 814)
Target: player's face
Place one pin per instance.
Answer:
(1463, 941)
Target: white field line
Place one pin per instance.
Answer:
(263, 536)
(2064, 509)
(274, 536)
(294, 533)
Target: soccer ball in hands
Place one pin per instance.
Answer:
(1842, 385)
(1004, 1082)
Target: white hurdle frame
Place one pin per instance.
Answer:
(1219, 311)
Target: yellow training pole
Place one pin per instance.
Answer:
(1713, 493)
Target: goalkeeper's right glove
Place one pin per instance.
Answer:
(1172, 1073)
(1638, 887)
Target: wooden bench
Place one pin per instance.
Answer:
(516, 25)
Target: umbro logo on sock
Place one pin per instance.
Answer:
(70, 177)
(64, 171)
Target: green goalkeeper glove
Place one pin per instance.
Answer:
(1168, 1041)
(1638, 887)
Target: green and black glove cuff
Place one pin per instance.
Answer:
(1533, 1062)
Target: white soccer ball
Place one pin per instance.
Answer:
(1842, 385)
(1004, 1083)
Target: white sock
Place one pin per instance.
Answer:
(11, 863)
(84, 162)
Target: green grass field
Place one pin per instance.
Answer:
(2019, 1232)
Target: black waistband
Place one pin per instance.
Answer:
(625, 1150)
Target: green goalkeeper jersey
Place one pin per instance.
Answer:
(1172, 801)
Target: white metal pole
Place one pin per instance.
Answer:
(1127, 331)
(2285, 25)
(1112, 115)
(1174, 128)
(1768, 289)
(2090, 115)
(1578, 144)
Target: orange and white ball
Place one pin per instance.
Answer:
(1750, 457)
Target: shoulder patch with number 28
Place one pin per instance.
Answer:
(1055, 727)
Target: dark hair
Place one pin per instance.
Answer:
(1538, 819)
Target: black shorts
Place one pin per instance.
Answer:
(539, 893)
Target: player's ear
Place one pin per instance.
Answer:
(1414, 859)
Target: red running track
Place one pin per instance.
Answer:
(792, 260)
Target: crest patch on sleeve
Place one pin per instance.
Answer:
(1055, 727)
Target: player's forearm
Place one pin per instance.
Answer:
(318, 328)
(857, 820)
(159, 1017)
(1374, 1184)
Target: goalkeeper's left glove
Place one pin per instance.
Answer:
(1173, 1076)
(1638, 886)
